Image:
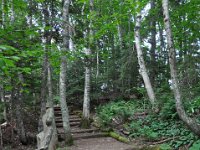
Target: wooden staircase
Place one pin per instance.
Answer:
(77, 132)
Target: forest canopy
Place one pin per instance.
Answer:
(97, 56)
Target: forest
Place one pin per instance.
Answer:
(99, 75)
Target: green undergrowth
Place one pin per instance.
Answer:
(107, 112)
(154, 128)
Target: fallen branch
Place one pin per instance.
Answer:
(165, 140)
(118, 137)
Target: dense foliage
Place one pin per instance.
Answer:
(31, 38)
(165, 126)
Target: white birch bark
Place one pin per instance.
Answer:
(97, 71)
(143, 70)
(12, 17)
(119, 29)
(63, 69)
(86, 101)
(153, 46)
(191, 123)
(3, 13)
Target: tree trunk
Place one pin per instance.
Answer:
(19, 117)
(46, 43)
(3, 13)
(30, 13)
(191, 123)
(1, 139)
(4, 115)
(143, 70)
(12, 16)
(63, 69)
(85, 123)
(50, 86)
(2, 94)
(43, 91)
(97, 60)
(153, 45)
(50, 98)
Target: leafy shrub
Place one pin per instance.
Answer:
(153, 127)
(195, 146)
(113, 109)
(194, 105)
(168, 110)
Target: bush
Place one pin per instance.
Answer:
(152, 127)
(194, 106)
(120, 109)
(195, 146)
(168, 110)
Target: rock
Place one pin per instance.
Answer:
(47, 139)
(125, 132)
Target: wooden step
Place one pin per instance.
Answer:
(59, 113)
(58, 120)
(57, 108)
(77, 136)
(84, 135)
(74, 116)
(58, 125)
(70, 117)
(78, 130)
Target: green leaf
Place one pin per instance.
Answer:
(9, 63)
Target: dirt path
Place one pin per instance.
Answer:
(103, 143)
(87, 139)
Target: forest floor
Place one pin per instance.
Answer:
(103, 143)
(92, 139)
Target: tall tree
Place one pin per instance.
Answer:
(153, 44)
(3, 13)
(46, 41)
(19, 95)
(63, 69)
(86, 102)
(141, 62)
(18, 104)
(191, 123)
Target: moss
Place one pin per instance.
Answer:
(119, 137)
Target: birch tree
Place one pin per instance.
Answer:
(153, 44)
(3, 13)
(63, 69)
(190, 122)
(141, 62)
(86, 102)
